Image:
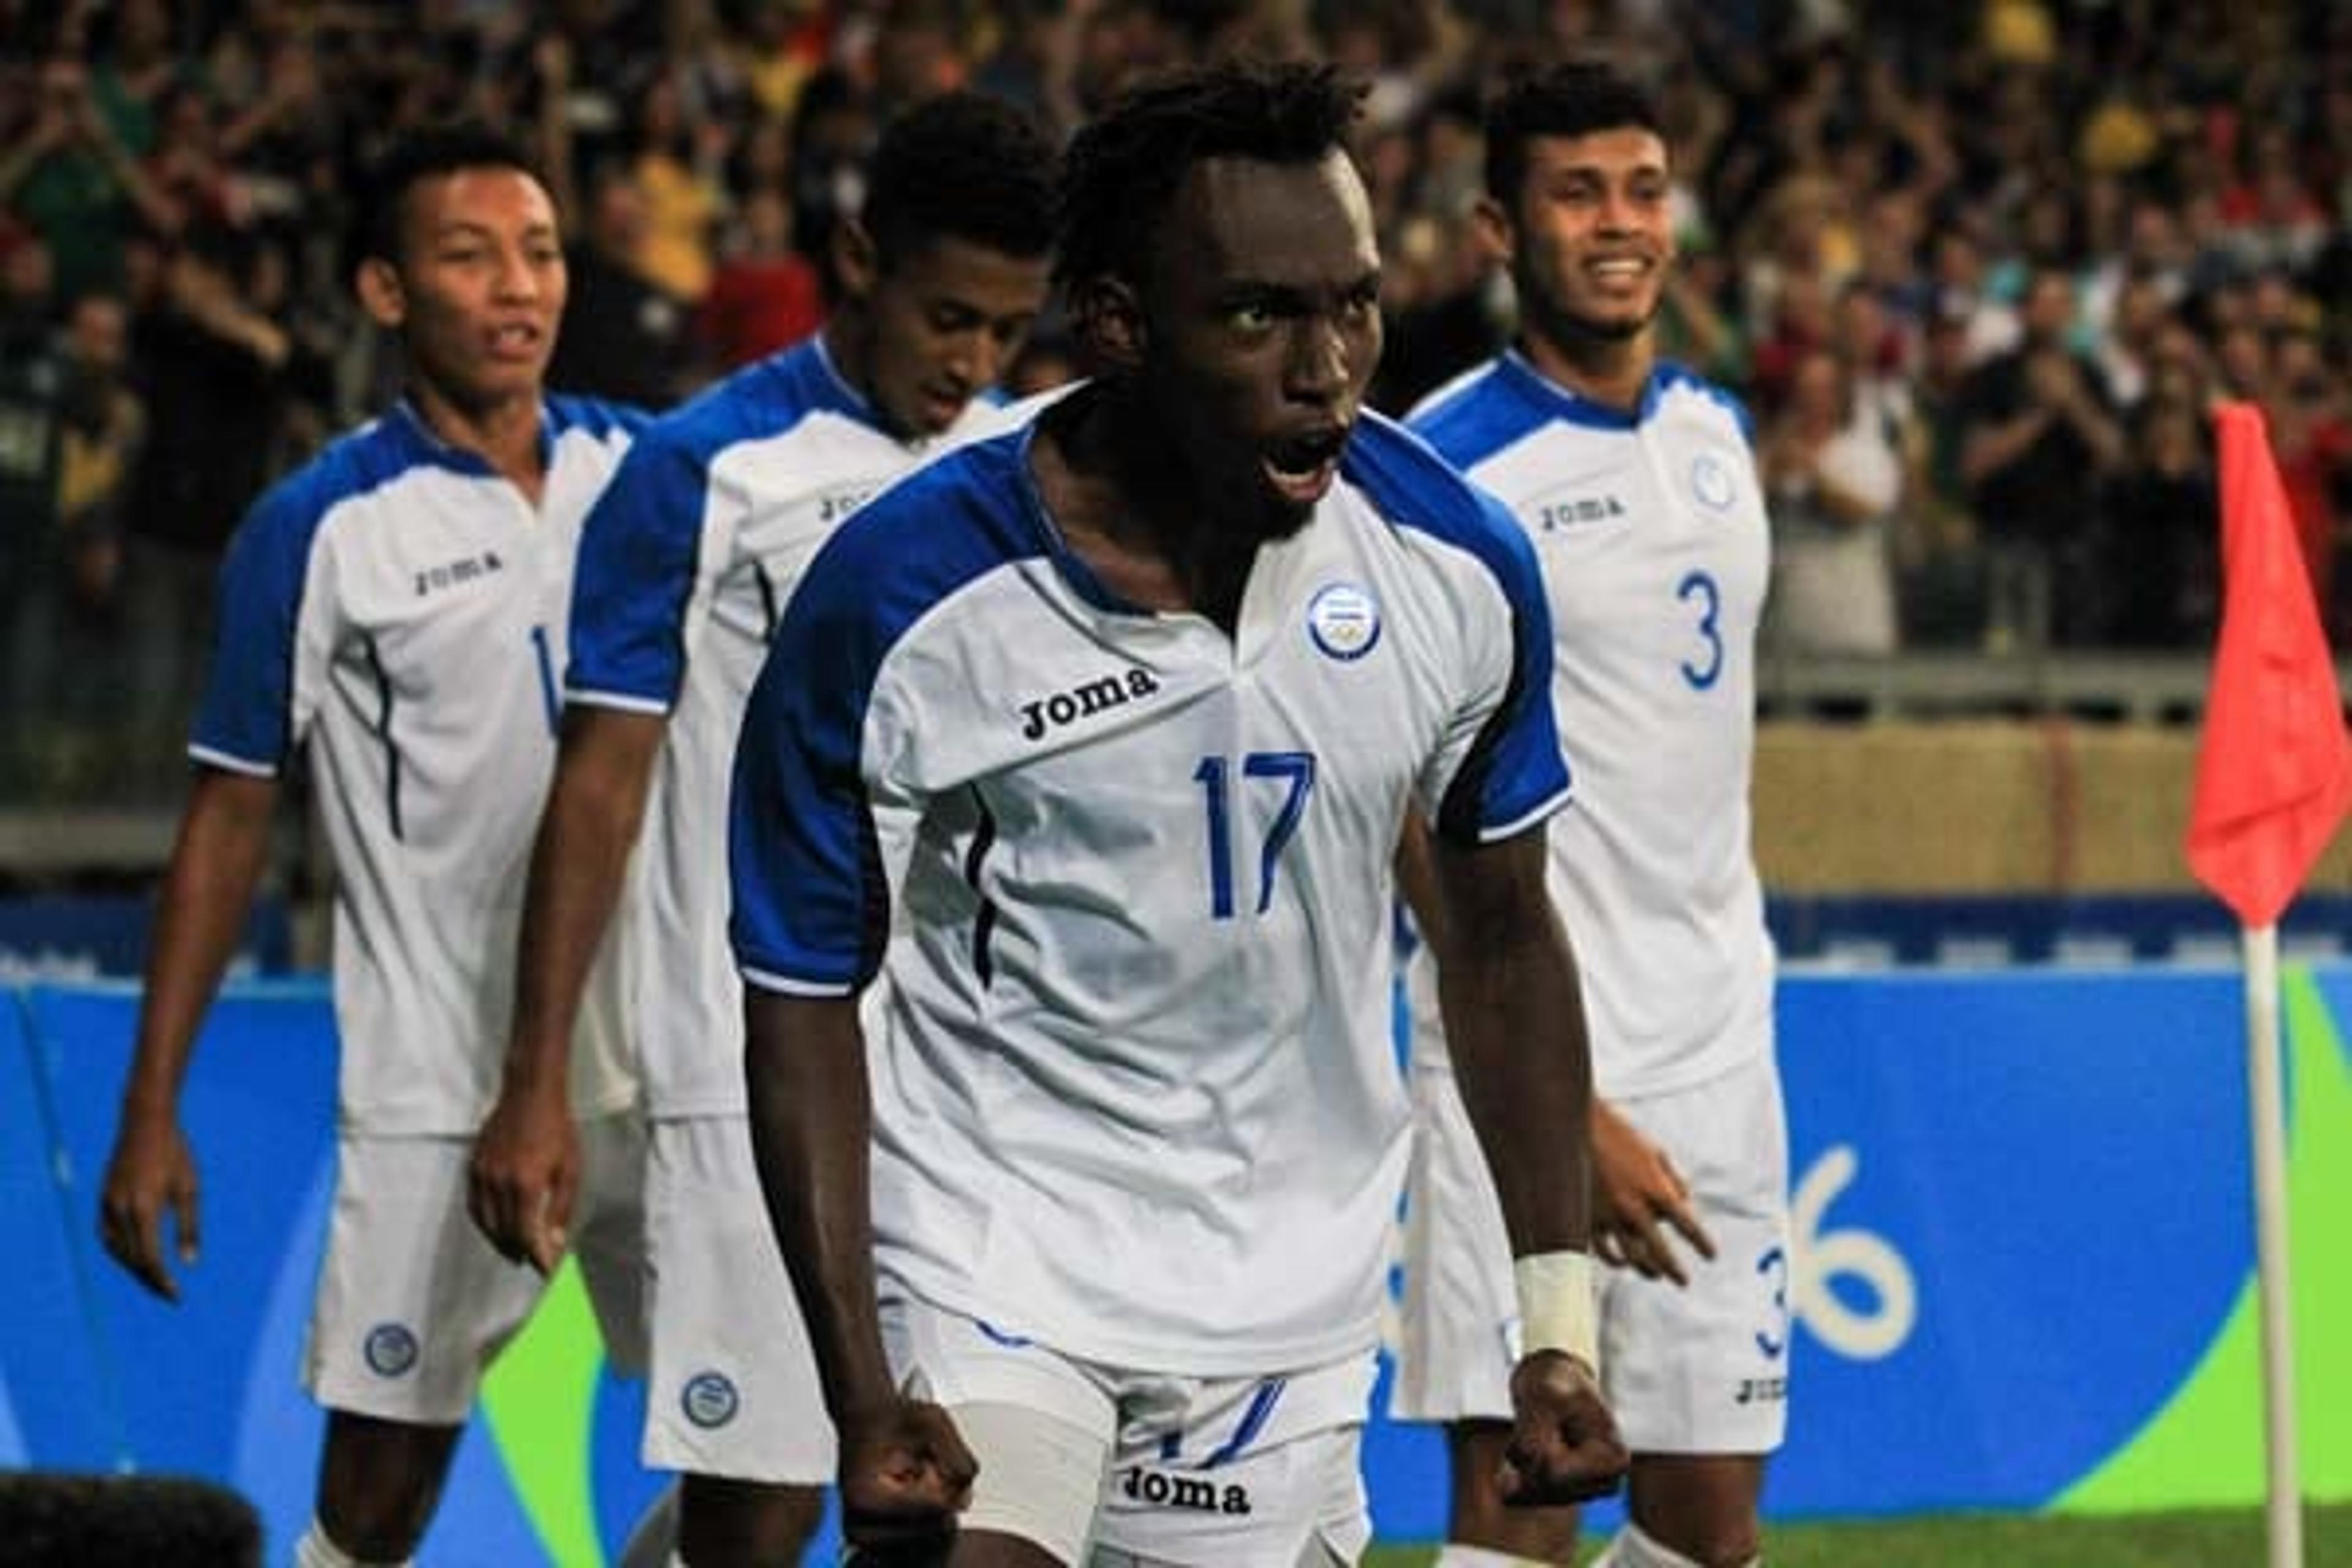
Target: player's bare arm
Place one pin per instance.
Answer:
(1515, 1025)
(904, 1471)
(526, 1165)
(207, 892)
(1637, 1193)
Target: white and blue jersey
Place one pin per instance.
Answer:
(1655, 553)
(396, 610)
(1133, 1090)
(687, 563)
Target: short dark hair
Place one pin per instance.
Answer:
(1577, 98)
(1123, 168)
(961, 165)
(426, 154)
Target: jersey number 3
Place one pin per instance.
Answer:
(1294, 770)
(1699, 587)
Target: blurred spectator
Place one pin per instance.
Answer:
(217, 371)
(765, 295)
(68, 176)
(2124, 346)
(833, 135)
(2272, 217)
(2311, 435)
(2038, 435)
(1834, 478)
(136, 67)
(72, 645)
(2162, 574)
(1940, 567)
(624, 336)
(1697, 325)
(673, 161)
(1035, 62)
(32, 393)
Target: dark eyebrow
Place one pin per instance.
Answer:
(1293, 298)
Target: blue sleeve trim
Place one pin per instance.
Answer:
(639, 551)
(1515, 767)
(248, 706)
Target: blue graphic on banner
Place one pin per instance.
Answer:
(2002, 1181)
(65, 1406)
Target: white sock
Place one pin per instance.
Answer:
(1454, 1554)
(315, 1550)
(1634, 1549)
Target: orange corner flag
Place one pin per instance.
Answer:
(2274, 765)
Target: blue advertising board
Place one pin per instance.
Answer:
(2021, 1279)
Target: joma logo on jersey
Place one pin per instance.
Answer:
(433, 579)
(1584, 508)
(1099, 695)
(1197, 1493)
(841, 503)
(1761, 1391)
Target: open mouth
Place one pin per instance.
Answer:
(515, 340)
(1302, 466)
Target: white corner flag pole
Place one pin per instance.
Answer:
(2283, 1474)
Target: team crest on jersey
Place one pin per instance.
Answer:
(390, 1349)
(1711, 482)
(1344, 621)
(709, 1399)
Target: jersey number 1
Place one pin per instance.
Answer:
(549, 700)
(1296, 769)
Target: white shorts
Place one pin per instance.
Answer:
(1114, 1466)
(413, 1304)
(733, 1389)
(1695, 1370)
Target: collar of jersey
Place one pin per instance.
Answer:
(853, 401)
(1080, 576)
(430, 448)
(1575, 408)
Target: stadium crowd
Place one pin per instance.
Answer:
(1979, 269)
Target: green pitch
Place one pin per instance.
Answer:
(2216, 1538)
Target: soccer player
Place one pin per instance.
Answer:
(394, 612)
(1095, 739)
(690, 559)
(1637, 486)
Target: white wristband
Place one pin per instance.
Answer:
(1557, 1308)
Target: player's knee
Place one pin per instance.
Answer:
(1515, 1536)
(1482, 1523)
(316, 1548)
(1636, 1546)
(379, 1483)
(722, 1523)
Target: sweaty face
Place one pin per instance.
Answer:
(1591, 237)
(1263, 329)
(947, 321)
(478, 287)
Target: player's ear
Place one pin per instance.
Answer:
(1109, 316)
(381, 294)
(1496, 234)
(856, 263)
